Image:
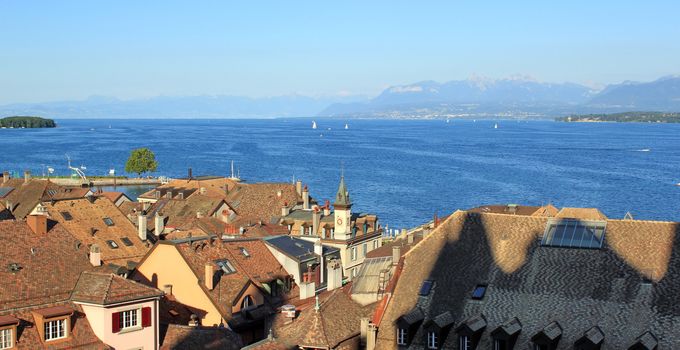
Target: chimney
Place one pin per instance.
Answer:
(363, 330)
(141, 226)
(285, 210)
(327, 208)
(318, 250)
(147, 205)
(298, 188)
(371, 335)
(199, 214)
(5, 176)
(396, 254)
(316, 218)
(10, 206)
(209, 273)
(95, 255)
(334, 275)
(167, 289)
(159, 224)
(305, 198)
(27, 176)
(403, 233)
(37, 223)
(307, 290)
(410, 238)
(190, 175)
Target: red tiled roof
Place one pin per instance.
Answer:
(178, 337)
(107, 288)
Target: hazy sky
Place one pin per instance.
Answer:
(55, 50)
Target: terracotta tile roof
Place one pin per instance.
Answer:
(336, 320)
(581, 213)
(130, 207)
(48, 265)
(386, 249)
(267, 344)
(25, 195)
(179, 337)
(260, 201)
(516, 209)
(54, 192)
(107, 288)
(80, 336)
(215, 187)
(180, 212)
(112, 196)
(626, 288)
(87, 216)
(546, 210)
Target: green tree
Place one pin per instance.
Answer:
(141, 160)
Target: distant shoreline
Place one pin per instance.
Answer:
(626, 117)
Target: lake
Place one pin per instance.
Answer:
(404, 171)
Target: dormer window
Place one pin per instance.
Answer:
(465, 343)
(247, 303)
(53, 323)
(548, 338)
(437, 329)
(402, 335)
(407, 326)
(470, 332)
(432, 340)
(8, 331)
(55, 329)
(505, 336)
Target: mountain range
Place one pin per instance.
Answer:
(515, 97)
(474, 97)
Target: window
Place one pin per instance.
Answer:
(478, 292)
(425, 288)
(129, 319)
(465, 343)
(66, 215)
(112, 244)
(126, 241)
(401, 336)
(247, 303)
(55, 329)
(226, 266)
(364, 249)
(574, 234)
(500, 344)
(108, 221)
(6, 338)
(245, 253)
(541, 347)
(354, 253)
(354, 272)
(432, 341)
(332, 233)
(302, 230)
(375, 244)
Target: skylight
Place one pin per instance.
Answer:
(425, 288)
(574, 234)
(226, 266)
(108, 221)
(112, 244)
(245, 252)
(126, 241)
(66, 215)
(479, 291)
(5, 191)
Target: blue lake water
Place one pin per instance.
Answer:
(405, 171)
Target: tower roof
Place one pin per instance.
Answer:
(342, 197)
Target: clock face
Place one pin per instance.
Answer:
(339, 221)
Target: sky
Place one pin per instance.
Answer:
(69, 50)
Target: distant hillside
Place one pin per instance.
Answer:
(181, 107)
(512, 98)
(26, 122)
(637, 117)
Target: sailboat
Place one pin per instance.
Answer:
(346, 126)
(313, 124)
(495, 126)
(447, 120)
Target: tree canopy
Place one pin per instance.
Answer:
(141, 160)
(26, 122)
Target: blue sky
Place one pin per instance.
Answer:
(57, 50)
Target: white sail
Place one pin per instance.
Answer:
(313, 124)
(346, 126)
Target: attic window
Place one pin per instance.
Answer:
(126, 241)
(425, 288)
(108, 221)
(66, 215)
(226, 266)
(245, 252)
(51, 193)
(478, 292)
(112, 244)
(574, 234)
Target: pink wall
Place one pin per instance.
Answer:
(100, 319)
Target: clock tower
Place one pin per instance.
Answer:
(342, 212)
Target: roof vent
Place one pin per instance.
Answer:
(14, 267)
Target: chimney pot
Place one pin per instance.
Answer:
(298, 188)
(27, 176)
(305, 198)
(5, 176)
(167, 289)
(141, 226)
(396, 254)
(159, 224)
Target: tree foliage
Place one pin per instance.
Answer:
(26, 122)
(141, 160)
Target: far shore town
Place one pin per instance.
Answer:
(210, 262)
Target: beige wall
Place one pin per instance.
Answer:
(169, 267)
(289, 264)
(100, 320)
(254, 293)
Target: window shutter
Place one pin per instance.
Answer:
(146, 317)
(115, 322)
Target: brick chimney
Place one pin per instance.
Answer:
(141, 226)
(159, 224)
(27, 176)
(5, 176)
(37, 223)
(305, 198)
(209, 273)
(95, 255)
